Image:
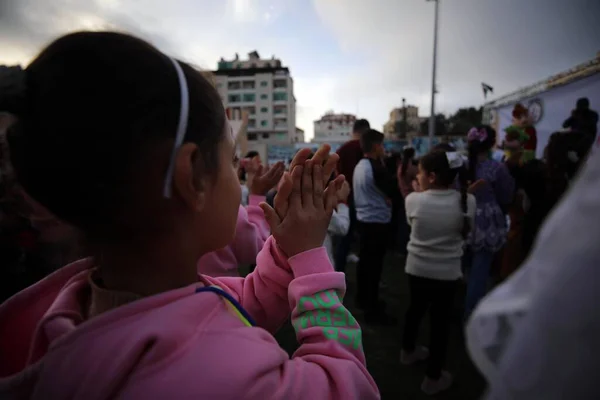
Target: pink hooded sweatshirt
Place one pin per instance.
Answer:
(185, 344)
(251, 232)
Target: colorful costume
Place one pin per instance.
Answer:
(521, 121)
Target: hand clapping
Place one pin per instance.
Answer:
(304, 204)
(261, 179)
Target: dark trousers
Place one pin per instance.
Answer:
(373, 244)
(344, 244)
(437, 297)
(403, 231)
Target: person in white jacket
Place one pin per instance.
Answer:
(340, 220)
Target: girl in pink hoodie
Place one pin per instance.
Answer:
(134, 149)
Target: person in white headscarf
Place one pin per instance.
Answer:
(537, 336)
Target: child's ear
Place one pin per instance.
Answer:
(431, 177)
(186, 181)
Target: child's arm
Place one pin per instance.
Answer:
(252, 230)
(330, 361)
(248, 362)
(340, 221)
(263, 293)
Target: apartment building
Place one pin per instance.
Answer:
(393, 128)
(333, 128)
(265, 89)
(299, 138)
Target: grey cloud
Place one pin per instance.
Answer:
(29, 24)
(507, 43)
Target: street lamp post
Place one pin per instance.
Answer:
(433, 79)
(404, 125)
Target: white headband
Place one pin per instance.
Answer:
(184, 109)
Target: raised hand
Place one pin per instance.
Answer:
(261, 179)
(321, 157)
(343, 192)
(309, 209)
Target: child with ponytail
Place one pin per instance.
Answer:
(441, 218)
(133, 148)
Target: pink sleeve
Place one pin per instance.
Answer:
(264, 292)
(252, 231)
(330, 361)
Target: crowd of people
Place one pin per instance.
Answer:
(151, 185)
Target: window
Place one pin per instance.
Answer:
(234, 85)
(234, 98)
(265, 135)
(252, 136)
(264, 83)
(264, 96)
(264, 109)
(251, 110)
(249, 97)
(280, 83)
(279, 96)
(251, 123)
(264, 123)
(248, 85)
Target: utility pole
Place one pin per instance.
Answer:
(433, 80)
(404, 125)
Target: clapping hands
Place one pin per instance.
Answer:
(261, 179)
(304, 202)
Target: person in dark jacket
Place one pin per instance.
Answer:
(583, 119)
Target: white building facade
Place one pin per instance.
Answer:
(333, 128)
(265, 89)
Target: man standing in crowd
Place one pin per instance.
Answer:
(583, 119)
(350, 154)
(373, 189)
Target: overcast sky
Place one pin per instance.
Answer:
(354, 56)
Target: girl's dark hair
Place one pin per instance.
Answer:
(100, 108)
(444, 147)
(436, 162)
(407, 156)
(476, 147)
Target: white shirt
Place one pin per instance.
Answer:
(338, 226)
(436, 243)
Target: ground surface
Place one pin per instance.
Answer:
(382, 344)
